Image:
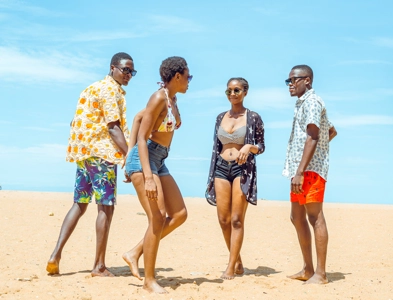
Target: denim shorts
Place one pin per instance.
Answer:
(157, 155)
(95, 176)
(227, 170)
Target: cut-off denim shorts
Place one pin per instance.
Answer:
(157, 155)
(227, 170)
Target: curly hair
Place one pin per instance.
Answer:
(120, 56)
(242, 81)
(170, 66)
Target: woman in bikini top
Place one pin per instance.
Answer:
(152, 131)
(239, 136)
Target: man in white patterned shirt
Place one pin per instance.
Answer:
(307, 164)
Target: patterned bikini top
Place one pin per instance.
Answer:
(169, 123)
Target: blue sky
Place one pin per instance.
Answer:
(51, 50)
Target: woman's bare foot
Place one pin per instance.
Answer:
(132, 261)
(101, 272)
(317, 279)
(228, 275)
(303, 275)
(53, 267)
(154, 287)
(239, 269)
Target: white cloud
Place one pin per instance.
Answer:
(365, 62)
(267, 11)
(360, 120)
(44, 129)
(43, 152)
(44, 67)
(383, 42)
(270, 98)
(166, 23)
(22, 6)
(214, 92)
(279, 124)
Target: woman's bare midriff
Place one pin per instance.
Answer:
(230, 151)
(162, 138)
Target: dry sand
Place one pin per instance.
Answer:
(191, 260)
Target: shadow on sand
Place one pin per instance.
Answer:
(69, 273)
(175, 282)
(336, 276)
(125, 271)
(260, 271)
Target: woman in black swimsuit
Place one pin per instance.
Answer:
(238, 138)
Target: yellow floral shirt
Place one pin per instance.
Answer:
(99, 104)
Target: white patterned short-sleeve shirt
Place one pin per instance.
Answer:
(101, 103)
(309, 109)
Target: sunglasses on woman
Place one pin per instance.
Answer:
(236, 91)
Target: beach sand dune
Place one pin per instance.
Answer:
(191, 260)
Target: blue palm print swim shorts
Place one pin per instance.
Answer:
(95, 176)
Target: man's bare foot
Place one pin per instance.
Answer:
(317, 279)
(154, 287)
(302, 275)
(53, 267)
(239, 269)
(104, 272)
(132, 262)
(227, 275)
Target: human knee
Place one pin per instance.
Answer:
(180, 217)
(236, 222)
(224, 222)
(297, 221)
(82, 208)
(159, 220)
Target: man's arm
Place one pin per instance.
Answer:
(117, 136)
(332, 133)
(309, 148)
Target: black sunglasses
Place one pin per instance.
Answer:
(236, 91)
(126, 71)
(292, 80)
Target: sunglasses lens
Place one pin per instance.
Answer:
(189, 78)
(228, 92)
(133, 72)
(288, 81)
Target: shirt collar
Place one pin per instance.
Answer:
(110, 78)
(307, 94)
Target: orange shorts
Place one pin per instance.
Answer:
(313, 189)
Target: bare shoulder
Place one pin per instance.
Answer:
(157, 100)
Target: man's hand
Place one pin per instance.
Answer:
(297, 184)
(128, 178)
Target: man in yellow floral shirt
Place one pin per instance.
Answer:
(97, 143)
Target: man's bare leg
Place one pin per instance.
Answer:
(103, 223)
(69, 224)
(317, 221)
(298, 218)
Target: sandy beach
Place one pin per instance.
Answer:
(191, 260)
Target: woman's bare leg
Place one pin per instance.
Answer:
(225, 206)
(155, 211)
(176, 215)
(238, 214)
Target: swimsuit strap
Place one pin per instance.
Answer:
(167, 98)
